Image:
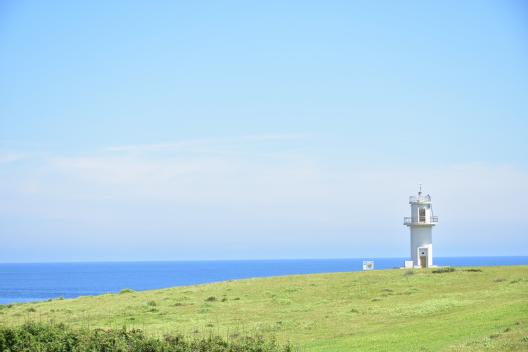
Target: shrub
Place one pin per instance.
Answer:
(51, 338)
(446, 269)
(126, 290)
(151, 303)
(473, 270)
(210, 299)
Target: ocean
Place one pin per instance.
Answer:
(41, 281)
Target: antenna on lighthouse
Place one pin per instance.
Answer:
(420, 191)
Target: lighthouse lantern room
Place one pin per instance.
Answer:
(421, 224)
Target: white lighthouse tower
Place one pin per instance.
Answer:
(421, 223)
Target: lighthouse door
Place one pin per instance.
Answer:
(423, 261)
(423, 253)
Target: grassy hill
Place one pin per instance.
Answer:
(396, 310)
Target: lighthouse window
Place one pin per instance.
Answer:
(422, 215)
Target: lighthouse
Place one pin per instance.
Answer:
(421, 224)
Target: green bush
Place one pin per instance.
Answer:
(446, 269)
(126, 290)
(60, 338)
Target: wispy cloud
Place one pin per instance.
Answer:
(209, 145)
(156, 147)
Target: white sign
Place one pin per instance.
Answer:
(368, 265)
(409, 264)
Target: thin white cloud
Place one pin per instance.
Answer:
(212, 145)
(156, 147)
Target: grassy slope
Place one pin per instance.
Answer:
(367, 311)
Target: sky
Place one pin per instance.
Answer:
(260, 130)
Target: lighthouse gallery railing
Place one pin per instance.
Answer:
(420, 199)
(419, 220)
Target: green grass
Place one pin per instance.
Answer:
(387, 310)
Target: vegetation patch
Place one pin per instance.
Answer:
(429, 307)
(444, 270)
(126, 290)
(44, 337)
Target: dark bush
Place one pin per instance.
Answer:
(447, 269)
(60, 338)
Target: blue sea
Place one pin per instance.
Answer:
(42, 281)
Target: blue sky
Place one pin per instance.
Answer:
(225, 130)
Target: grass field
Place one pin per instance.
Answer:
(389, 310)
